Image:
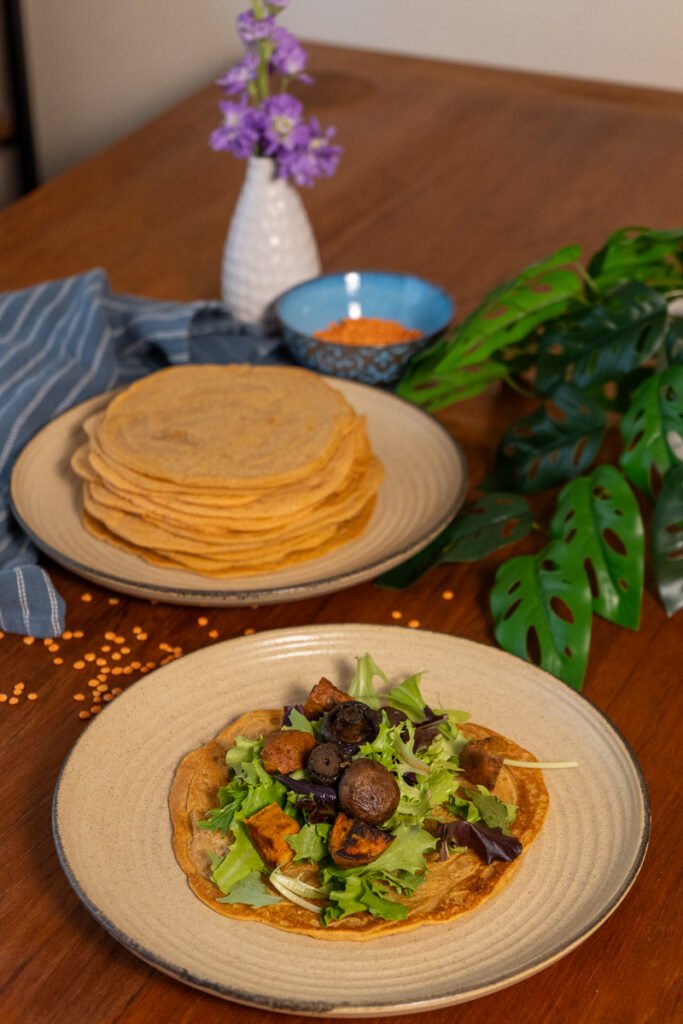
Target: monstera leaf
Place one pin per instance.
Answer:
(674, 341)
(598, 518)
(552, 445)
(603, 342)
(667, 541)
(491, 522)
(640, 254)
(652, 431)
(542, 609)
(461, 366)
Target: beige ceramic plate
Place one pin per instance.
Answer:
(424, 487)
(112, 828)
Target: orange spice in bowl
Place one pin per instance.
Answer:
(367, 330)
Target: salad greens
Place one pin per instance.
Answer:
(429, 783)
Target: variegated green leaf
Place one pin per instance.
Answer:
(604, 341)
(542, 609)
(640, 254)
(667, 541)
(598, 518)
(652, 431)
(552, 445)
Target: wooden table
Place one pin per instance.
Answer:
(462, 175)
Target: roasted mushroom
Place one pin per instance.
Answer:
(350, 722)
(325, 763)
(368, 791)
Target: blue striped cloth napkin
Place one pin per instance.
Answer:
(63, 342)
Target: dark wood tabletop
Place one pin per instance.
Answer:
(459, 174)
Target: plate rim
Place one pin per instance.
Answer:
(379, 1008)
(293, 591)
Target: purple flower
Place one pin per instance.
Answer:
(289, 57)
(238, 77)
(317, 158)
(252, 29)
(283, 128)
(240, 130)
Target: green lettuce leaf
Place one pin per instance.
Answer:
(362, 686)
(494, 812)
(240, 860)
(406, 697)
(299, 722)
(252, 891)
(310, 842)
(244, 760)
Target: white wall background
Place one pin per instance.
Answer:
(628, 41)
(100, 68)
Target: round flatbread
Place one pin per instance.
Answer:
(225, 426)
(453, 887)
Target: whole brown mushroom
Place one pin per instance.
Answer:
(368, 791)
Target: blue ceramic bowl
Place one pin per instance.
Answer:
(313, 305)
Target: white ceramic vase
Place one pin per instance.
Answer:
(270, 244)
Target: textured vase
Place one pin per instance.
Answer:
(270, 244)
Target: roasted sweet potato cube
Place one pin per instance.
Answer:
(479, 764)
(322, 697)
(286, 751)
(354, 842)
(267, 830)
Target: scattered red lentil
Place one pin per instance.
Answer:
(137, 629)
(397, 615)
(116, 656)
(53, 648)
(67, 635)
(86, 597)
(447, 595)
(2, 635)
(108, 696)
(79, 696)
(249, 630)
(202, 621)
(13, 700)
(125, 650)
(135, 664)
(213, 633)
(119, 639)
(109, 635)
(32, 696)
(78, 634)
(79, 665)
(89, 656)
(93, 683)
(116, 690)
(58, 661)
(3, 698)
(84, 715)
(95, 709)
(117, 671)
(142, 636)
(414, 623)
(113, 600)
(28, 640)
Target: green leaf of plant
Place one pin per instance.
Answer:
(652, 431)
(674, 341)
(542, 609)
(637, 253)
(460, 366)
(667, 541)
(483, 526)
(604, 341)
(598, 518)
(552, 445)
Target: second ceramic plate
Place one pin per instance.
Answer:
(424, 486)
(113, 832)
